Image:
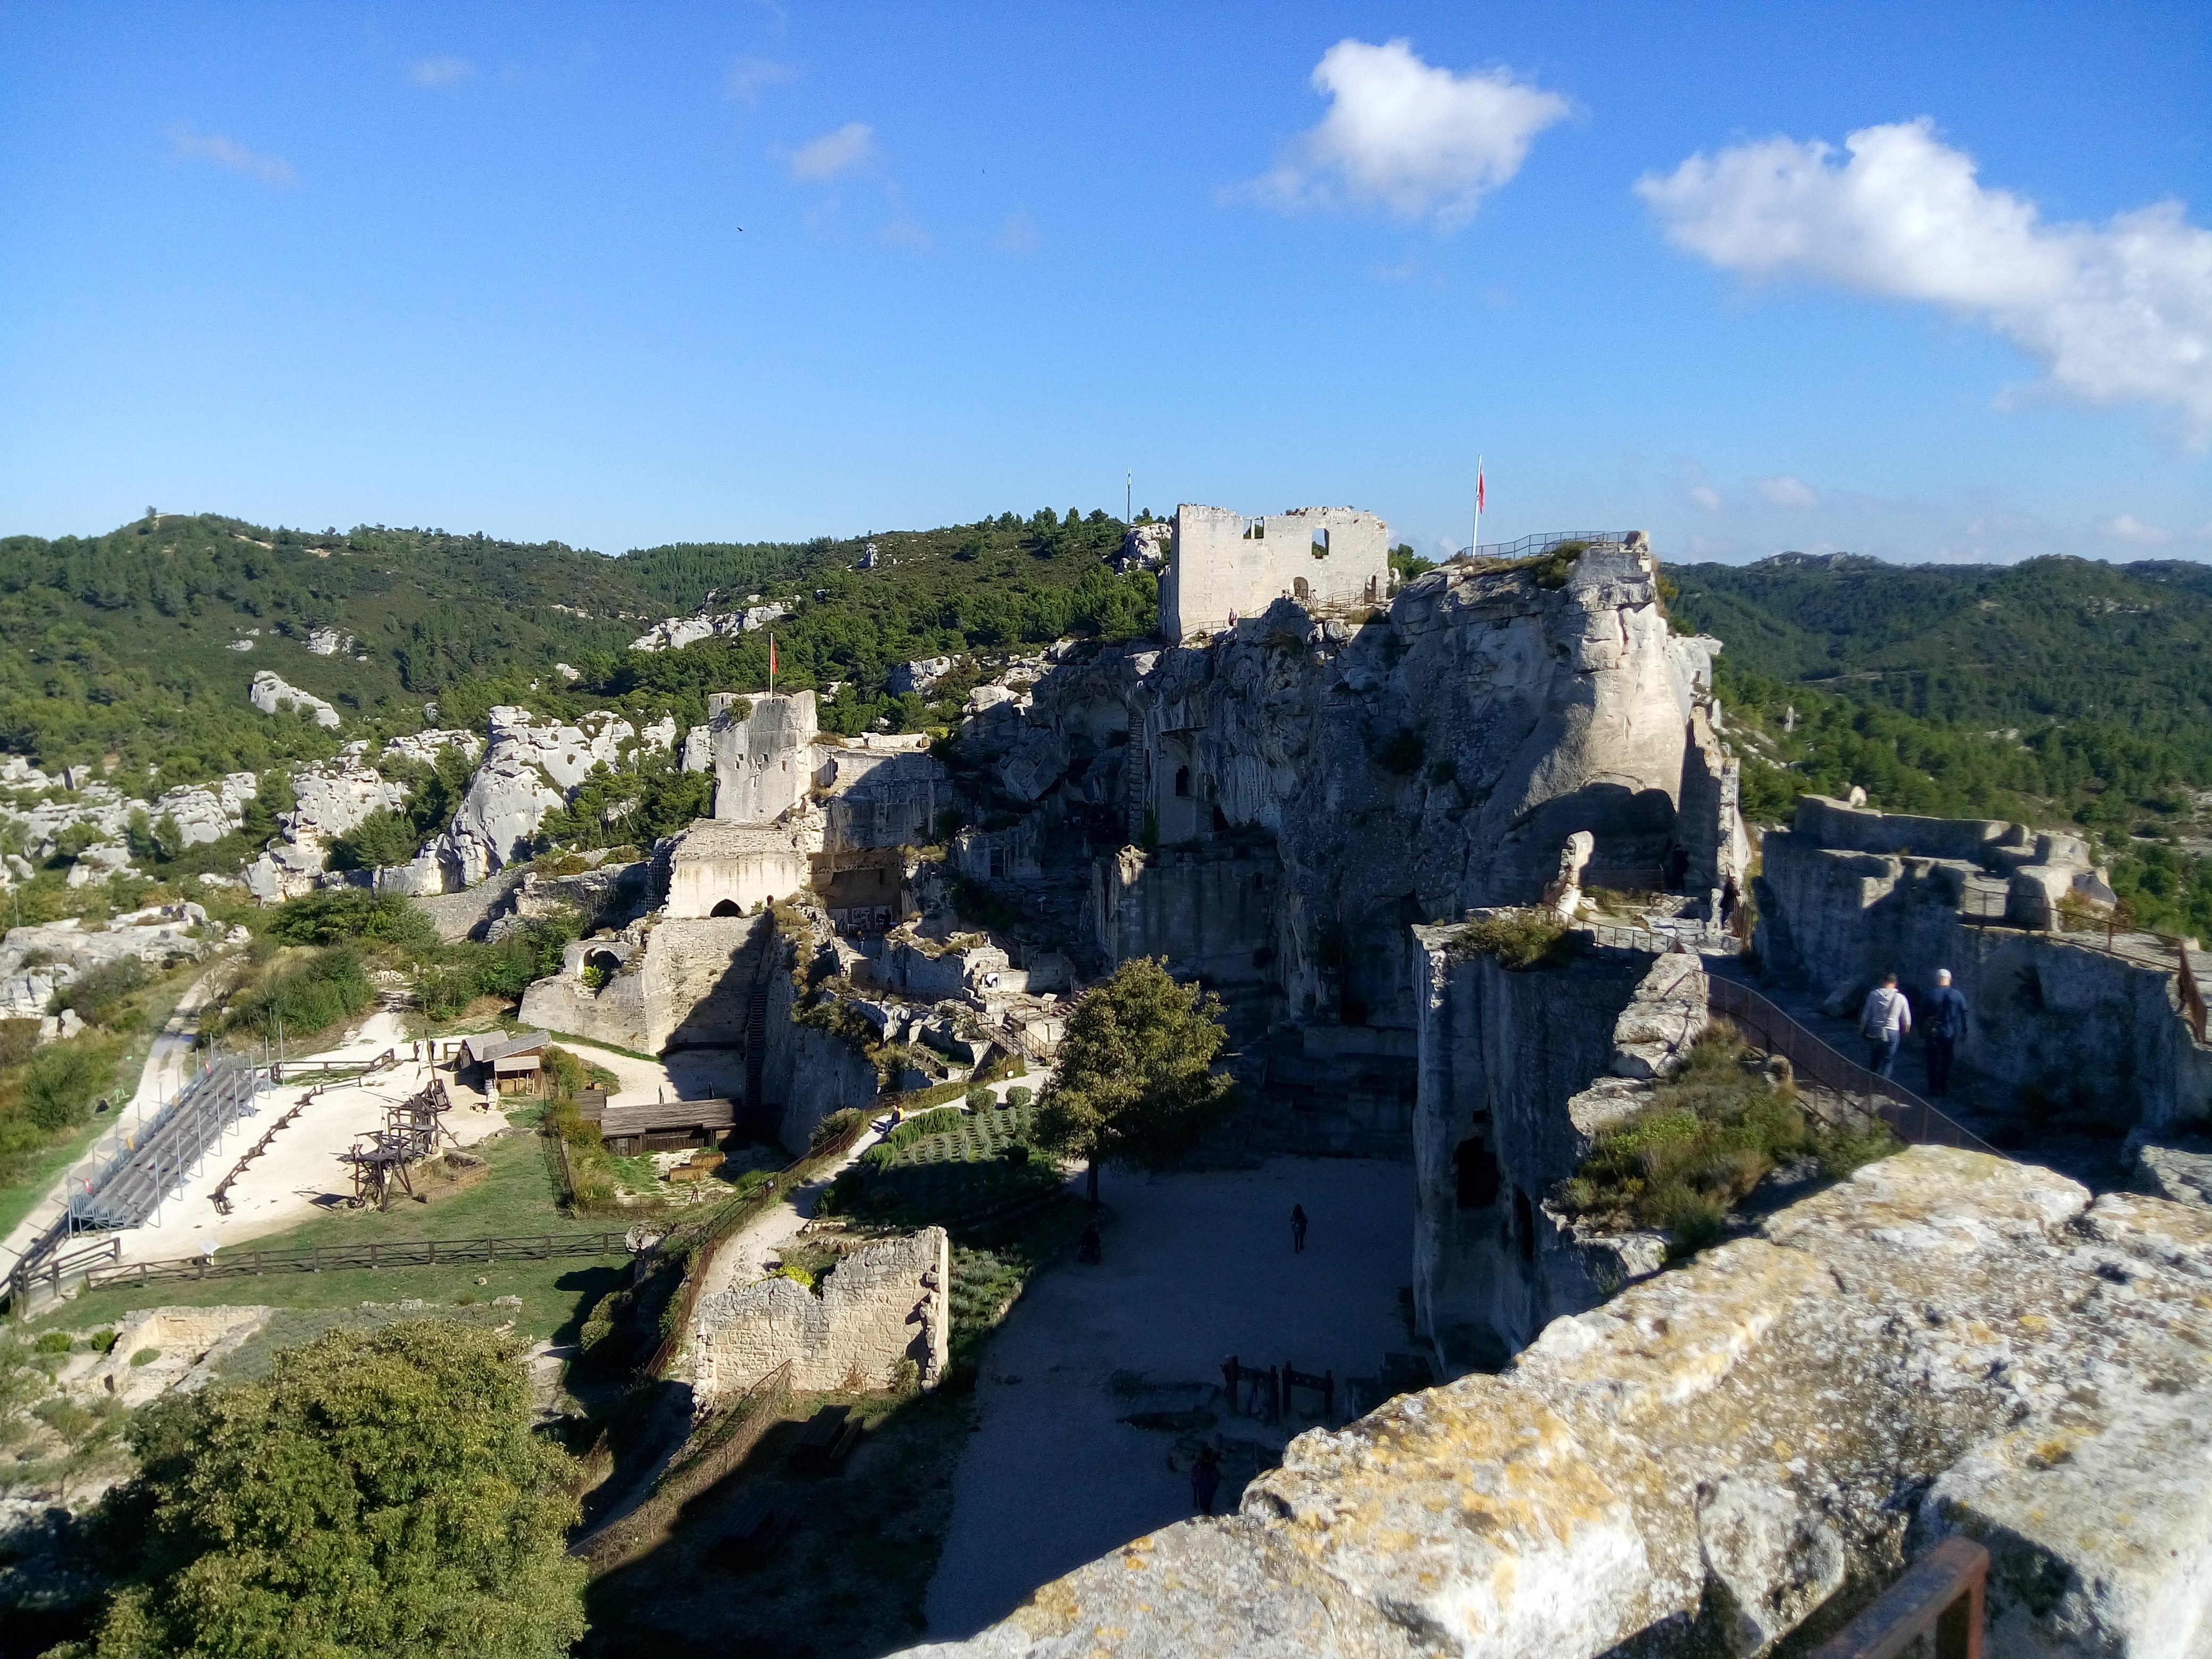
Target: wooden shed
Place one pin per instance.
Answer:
(505, 1064)
(663, 1126)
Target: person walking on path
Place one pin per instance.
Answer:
(1946, 1024)
(1883, 1023)
(1297, 1229)
(1205, 1480)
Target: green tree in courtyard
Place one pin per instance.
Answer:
(379, 1494)
(1135, 1086)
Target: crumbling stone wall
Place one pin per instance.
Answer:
(1946, 1342)
(884, 1304)
(672, 983)
(1225, 564)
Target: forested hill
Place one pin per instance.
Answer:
(126, 644)
(1995, 645)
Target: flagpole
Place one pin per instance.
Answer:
(1475, 546)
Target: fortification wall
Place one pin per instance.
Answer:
(807, 1073)
(886, 1304)
(679, 984)
(1944, 1343)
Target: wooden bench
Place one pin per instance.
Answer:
(828, 1439)
(751, 1533)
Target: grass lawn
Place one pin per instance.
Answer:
(160, 1000)
(518, 1199)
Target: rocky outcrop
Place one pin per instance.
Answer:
(884, 1307)
(1945, 1343)
(677, 632)
(1518, 1071)
(269, 693)
(530, 769)
(333, 799)
(35, 961)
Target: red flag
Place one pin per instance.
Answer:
(771, 656)
(1479, 502)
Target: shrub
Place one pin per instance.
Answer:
(599, 1325)
(797, 1274)
(145, 1356)
(62, 1082)
(833, 1128)
(1711, 1133)
(338, 915)
(1018, 1098)
(102, 996)
(18, 1039)
(303, 995)
(55, 1342)
(982, 1100)
(102, 1341)
(1518, 938)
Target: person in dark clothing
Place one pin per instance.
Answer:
(1205, 1480)
(1729, 899)
(1086, 1248)
(1229, 1370)
(1297, 1227)
(1944, 1018)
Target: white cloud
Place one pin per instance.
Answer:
(190, 146)
(1706, 496)
(439, 73)
(2121, 312)
(1017, 235)
(1418, 141)
(2130, 528)
(1785, 491)
(832, 154)
(750, 76)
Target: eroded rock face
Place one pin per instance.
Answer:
(528, 771)
(1946, 1342)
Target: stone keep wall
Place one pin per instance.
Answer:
(1212, 917)
(1225, 564)
(675, 984)
(1945, 1343)
(1518, 1071)
(764, 763)
(886, 1304)
(721, 868)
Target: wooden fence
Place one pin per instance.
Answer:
(331, 1258)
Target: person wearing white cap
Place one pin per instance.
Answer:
(1947, 1022)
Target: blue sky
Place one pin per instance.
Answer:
(482, 268)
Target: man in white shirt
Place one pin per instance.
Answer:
(1883, 1023)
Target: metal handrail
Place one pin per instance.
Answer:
(1544, 540)
(1912, 1119)
(1943, 1592)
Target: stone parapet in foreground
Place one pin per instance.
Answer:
(1946, 1342)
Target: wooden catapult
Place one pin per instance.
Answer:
(381, 1157)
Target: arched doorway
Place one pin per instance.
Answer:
(727, 908)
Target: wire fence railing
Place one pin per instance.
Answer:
(1765, 1026)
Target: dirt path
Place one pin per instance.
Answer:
(745, 1255)
(1197, 1267)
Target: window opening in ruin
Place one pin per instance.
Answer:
(1220, 819)
(1476, 1167)
(727, 908)
(1321, 543)
(1524, 1224)
(1182, 780)
(1299, 589)
(998, 862)
(605, 961)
